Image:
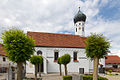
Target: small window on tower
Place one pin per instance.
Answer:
(82, 28)
(76, 29)
(55, 56)
(82, 23)
(79, 23)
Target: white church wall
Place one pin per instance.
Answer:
(51, 66)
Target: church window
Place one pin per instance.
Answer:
(4, 59)
(39, 52)
(79, 23)
(76, 29)
(75, 57)
(55, 56)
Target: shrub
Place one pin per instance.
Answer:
(91, 78)
(68, 77)
(110, 71)
(102, 78)
(65, 59)
(87, 78)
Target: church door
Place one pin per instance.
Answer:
(42, 67)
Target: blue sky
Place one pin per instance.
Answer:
(56, 16)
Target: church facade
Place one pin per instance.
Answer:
(52, 45)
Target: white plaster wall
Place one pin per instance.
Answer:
(111, 65)
(80, 32)
(108, 65)
(51, 66)
(102, 61)
(4, 62)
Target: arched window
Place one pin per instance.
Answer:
(39, 52)
(76, 29)
(79, 23)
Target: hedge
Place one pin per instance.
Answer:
(68, 77)
(91, 78)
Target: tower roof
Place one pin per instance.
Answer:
(79, 16)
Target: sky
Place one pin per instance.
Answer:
(56, 16)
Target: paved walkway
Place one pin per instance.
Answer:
(47, 76)
(56, 76)
(112, 77)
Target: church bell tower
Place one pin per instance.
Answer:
(79, 23)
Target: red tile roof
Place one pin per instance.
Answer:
(2, 52)
(57, 40)
(112, 59)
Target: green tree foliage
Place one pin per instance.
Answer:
(36, 60)
(96, 47)
(19, 48)
(65, 59)
(58, 61)
(18, 45)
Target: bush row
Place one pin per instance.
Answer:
(91, 78)
(84, 78)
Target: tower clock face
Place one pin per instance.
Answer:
(79, 28)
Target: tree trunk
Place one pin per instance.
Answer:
(39, 70)
(60, 69)
(19, 70)
(65, 69)
(35, 72)
(95, 67)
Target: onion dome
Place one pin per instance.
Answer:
(79, 16)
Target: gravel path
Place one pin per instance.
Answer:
(111, 77)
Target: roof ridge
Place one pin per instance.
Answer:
(55, 34)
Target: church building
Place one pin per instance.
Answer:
(54, 45)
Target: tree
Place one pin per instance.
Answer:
(58, 61)
(19, 48)
(36, 60)
(96, 47)
(65, 59)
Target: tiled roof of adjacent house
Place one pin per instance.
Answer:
(57, 40)
(2, 52)
(112, 59)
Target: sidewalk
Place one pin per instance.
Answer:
(52, 76)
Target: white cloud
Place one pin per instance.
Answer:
(57, 16)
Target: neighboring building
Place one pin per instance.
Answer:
(4, 62)
(112, 61)
(52, 45)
